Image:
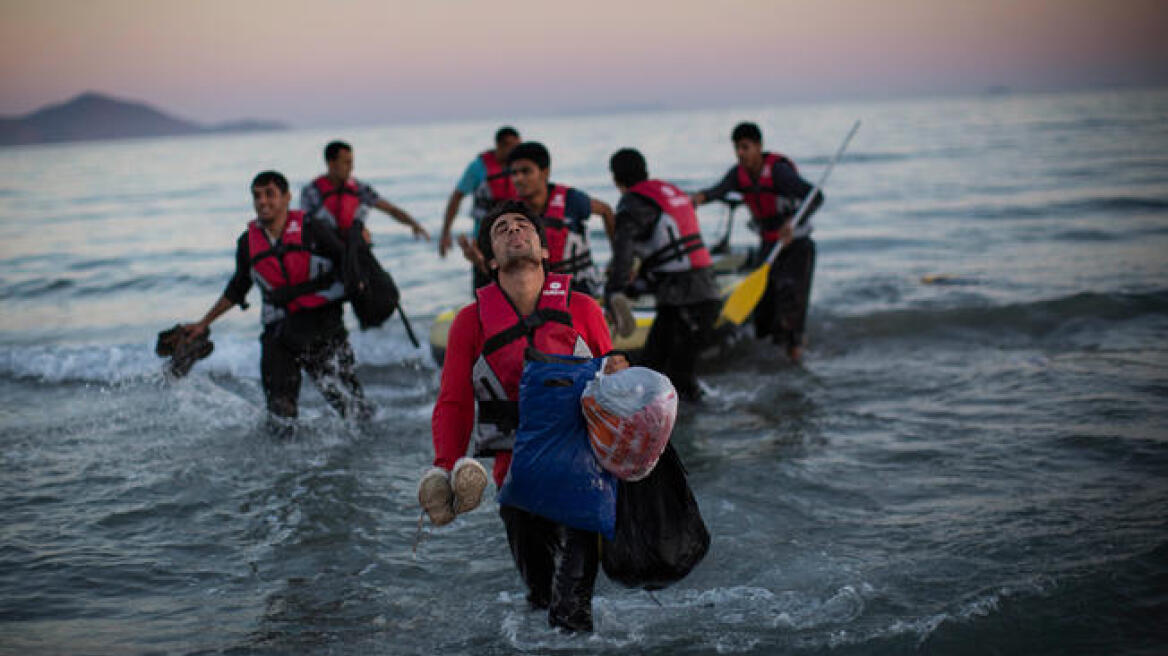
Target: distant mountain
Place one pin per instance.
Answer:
(92, 116)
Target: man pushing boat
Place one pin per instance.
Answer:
(773, 189)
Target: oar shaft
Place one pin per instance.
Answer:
(807, 200)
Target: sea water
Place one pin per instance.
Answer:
(972, 459)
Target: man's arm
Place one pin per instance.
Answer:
(605, 212)
(402, 216)
(454, 412)
(633, 214)
(233, 294)
(307, 205)
(444, 241)
(473, 176)
(728, 184)
(789, 184)
(588, 320)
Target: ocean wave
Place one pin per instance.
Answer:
(236, 357)
(37, 288)
(1034, 319)
(1110, 205)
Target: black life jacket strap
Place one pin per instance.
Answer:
(577, 262)
(676, 248)
(340, 191)
(282, 296)
(277, 251)
(525, 327)
(550, 223)
(501, 413)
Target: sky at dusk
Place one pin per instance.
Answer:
(347, 62)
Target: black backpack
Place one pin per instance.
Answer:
(369, 287)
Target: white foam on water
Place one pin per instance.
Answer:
(236, 356)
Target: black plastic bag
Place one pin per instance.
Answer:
(660, 535)
(369, 288)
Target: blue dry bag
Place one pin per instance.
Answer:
(553, 471)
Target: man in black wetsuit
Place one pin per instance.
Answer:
(772, 188)
(656, 222)
(294, 260)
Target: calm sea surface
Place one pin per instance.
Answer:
(974, 464)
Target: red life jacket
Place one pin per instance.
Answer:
(506, 336)
(676, 241)
(567, 241)
(343, 202)
(498, 177)
(764, 203)
(288, 262)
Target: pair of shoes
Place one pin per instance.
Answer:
(444, 495)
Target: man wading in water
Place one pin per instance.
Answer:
(337, 198)
(294, 260)
(773, 189)
(524, 306)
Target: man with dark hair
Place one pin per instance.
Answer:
(488, 181)
(656, 223)
(295, 261)
(523, 307)
(338, 199)
(564, 212)
(773, 189)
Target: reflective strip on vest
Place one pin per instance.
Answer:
(568, 249)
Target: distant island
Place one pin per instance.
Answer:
(91, 116)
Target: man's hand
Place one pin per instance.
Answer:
(444, 243)
(192, 330)
(472, 253)
(615, 362)
(787, 234)
(419, 231)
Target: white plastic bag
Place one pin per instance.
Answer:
(630, 416)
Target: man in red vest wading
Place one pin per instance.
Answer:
(656, 223)
(773, 189)
(337, 198)
(524, 306)
(294, 261)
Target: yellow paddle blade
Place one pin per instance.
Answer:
(745, 296)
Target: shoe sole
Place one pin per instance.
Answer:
(470, 480)
(434, 496)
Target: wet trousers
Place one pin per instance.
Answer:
(558, 564)
(327, 358)
(781, 314)
(678, 335)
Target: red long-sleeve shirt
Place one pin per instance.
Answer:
(454, 413)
